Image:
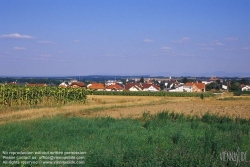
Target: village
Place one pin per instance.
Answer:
(150, 84)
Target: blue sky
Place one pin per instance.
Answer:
(124, 37)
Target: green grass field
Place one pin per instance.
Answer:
(165, 139)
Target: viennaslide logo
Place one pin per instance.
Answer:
(234, 156)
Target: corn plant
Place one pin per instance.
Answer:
(24, 95)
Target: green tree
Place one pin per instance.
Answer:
(245, 81)
(142, 80)
(184, 80)
(212, 85)
(235, 86)
(162, 85)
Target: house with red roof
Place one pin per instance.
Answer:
(215, 79)
(133, 87)
(77, 85)
(150, 87)
(114, 87)
(197, 87)
(96, 86)
(141, 87)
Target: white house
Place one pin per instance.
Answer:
(224, 87)
(182, 88)
(177, 89)
(150, 87)
(171, 85)
(141, 87)
(246, 88)
(187, 88)
(206, 82)
(135, 88)
(63, 85)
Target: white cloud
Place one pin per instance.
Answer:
(207, 48)
(166, 49)
(76, 41)
(60, 52)
(231, 39)
(183, 40)
(246, 48)
(230, 49)
(217, 43)
(44, 55)
(46, 42)
(17, 36)
(172, 52)
(204, 45)
(148, 40)
(113, 55)
(41, 57)
(210, 46)
(186, 55)
(19, 48)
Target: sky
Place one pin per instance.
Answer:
(124, 37)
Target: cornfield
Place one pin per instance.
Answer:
(25, 95)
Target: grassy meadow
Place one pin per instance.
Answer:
(164, 139)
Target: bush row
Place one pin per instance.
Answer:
(146, 93)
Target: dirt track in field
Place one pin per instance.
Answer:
(135, 106)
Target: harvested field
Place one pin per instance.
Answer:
(186, 105)
(135, 106)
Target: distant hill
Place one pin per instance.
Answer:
(205, 74)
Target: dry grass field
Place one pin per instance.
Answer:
(135, 106)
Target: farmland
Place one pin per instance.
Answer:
(134, 130)
(135, 106)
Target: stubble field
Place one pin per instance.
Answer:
(135, 106)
